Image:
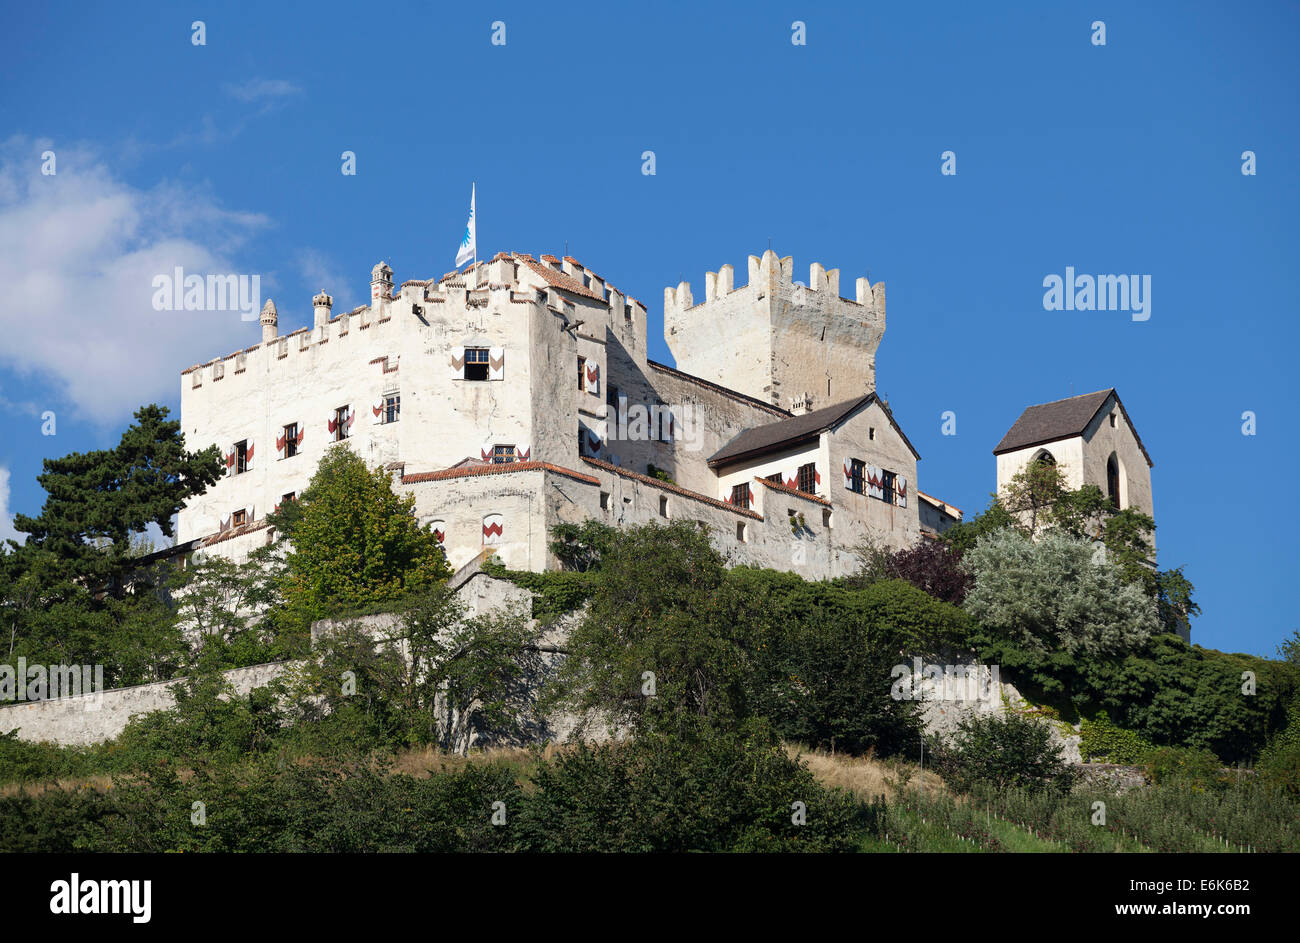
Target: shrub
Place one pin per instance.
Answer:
(1002, 751)
(1100, 739)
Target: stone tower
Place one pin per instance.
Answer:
(796, 346)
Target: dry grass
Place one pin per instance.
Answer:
(102, 782)
(426, 761)
(865, 776)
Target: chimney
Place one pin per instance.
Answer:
(270, 321)
(321, 309)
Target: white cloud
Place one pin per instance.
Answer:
(6, 517)
(78, 254)
(264, 91)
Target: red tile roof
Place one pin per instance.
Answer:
(472, 471)
(793, 491)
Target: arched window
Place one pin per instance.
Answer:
(1046, 457)
(1112, 480)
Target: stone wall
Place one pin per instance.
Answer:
(80, 721)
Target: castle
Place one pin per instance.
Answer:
(516, 394)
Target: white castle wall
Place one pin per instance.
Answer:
(537, 317)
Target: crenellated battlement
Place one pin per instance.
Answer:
(775, 338)
(508, 278)
(769, 272)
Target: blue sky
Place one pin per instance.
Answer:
(1123, 158)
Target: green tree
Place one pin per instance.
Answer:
(355, 542)
(1053, 594)
(75, 592)
(664, 644)
(96, 501)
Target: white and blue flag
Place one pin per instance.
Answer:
(469, 242)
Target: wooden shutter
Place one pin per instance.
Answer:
(377, 410)
(875, 482)
(493, 529)
(848, 474)
(496, 363)
(523, 452)
(592, 377)
(457, 363)
(248, 455)
(280, 442)
(900, 491)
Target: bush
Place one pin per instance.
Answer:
(1100, 739)
(720, 792)
(1199, 768)
(1002, 751)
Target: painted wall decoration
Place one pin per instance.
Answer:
(493, 529)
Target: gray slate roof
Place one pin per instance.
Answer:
(1062, 419)
(773, 435)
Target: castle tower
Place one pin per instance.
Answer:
(270, 321)
(776, 340)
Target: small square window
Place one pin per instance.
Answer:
(392, 407)
(476, 363)
(241, 457)
(663, 506)
(503, 454)
(291, 440)
(604, 500)
(582, 374)
(340, 424)
(238, 518)
(740, 531)
(871, 433)
(286, 498)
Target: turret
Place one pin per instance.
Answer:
(270, 321)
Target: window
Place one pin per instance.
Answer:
(238, 518)
(476, 363)
(776, 479)
(663, 506)
(241, 457)
(582, 374)
(857, 475)
(503, 454)
(887, 483)
(740, 531)
(1112, 420)
(392, 407)
(286, 498)
(808, 478)
(871, 433)
(340, 424)
(611, 395)
(604, 500)
(291, 440)
(1112, 480)
(740, 495)
(826, 518)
